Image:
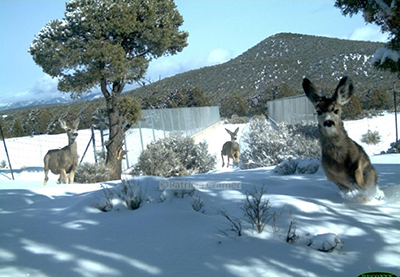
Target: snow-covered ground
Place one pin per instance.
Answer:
(56, 230)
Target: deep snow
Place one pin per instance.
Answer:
(56, 230)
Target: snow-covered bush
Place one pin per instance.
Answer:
(198, 204)
(175, 156)
(91, 173)
(371, 137)
(287, 167)
(394, 147)
(269, 144)
(300, 166)
(131, 194)
(128, 194)
(326, 242)
(308, 166)
(106, 204)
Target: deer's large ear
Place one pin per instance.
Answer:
(236, 131)
(344, 91)
(62, 124)
(311, 91)
(75, 124)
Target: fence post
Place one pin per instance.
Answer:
(84, 153)
(94, 144)
(152, 126)
(5, 148)
(162, 121)
(141, 136)
(395, 117)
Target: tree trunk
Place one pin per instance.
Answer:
(114, 145)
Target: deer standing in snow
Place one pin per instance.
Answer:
(231, 148)
(344, 161)
(65, 160)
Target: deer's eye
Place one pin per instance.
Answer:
(336, 111)
(319, 112)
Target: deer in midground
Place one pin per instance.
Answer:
(65, 160)
(344, 161)
(231, 148)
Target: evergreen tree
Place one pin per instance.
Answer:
(17, 129)
(385, 14)
(107, 44)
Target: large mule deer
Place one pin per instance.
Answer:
(344, 161)
(65, 160)
(231, 148)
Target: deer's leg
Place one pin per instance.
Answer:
(365, 175)
(228, 162)
(222, 157)
(360, 177)
(71, 176)
(63, 175)
(46, 178)
(370, 175)
(340, 179)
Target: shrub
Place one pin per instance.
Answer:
(371, 137)
(301, 166)
(235, 224)
(175, 156)
(131, 193)
(106, 204)
(91, 173)
(269, 144)
(258, 211)
(287, 167)
(198, 204)
(394, 147)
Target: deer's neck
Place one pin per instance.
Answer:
(335, 144)
(72, 145)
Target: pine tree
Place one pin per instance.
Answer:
(107, 44)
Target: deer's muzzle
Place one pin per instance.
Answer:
(329, 123)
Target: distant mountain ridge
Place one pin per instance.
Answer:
(49, 102)
(283, 58)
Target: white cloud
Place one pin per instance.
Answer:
(43, 88)
(218, 56)
(368, 33)
(172, 65)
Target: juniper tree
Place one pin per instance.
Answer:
(107, 44)
(385, 14)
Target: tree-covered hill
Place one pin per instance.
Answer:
(282, 60)
(272, 69)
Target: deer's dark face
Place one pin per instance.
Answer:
(329, 110)
(233, 137)
(72, 133)
(328, 115)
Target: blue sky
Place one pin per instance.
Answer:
(219, 30)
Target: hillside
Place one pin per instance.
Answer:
(272, 69)
(282, 59)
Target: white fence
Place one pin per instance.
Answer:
(160, 123)
(155, 124)
(292, 110)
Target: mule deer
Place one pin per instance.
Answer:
(344, 161)
(65, 160)
(231, 148)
